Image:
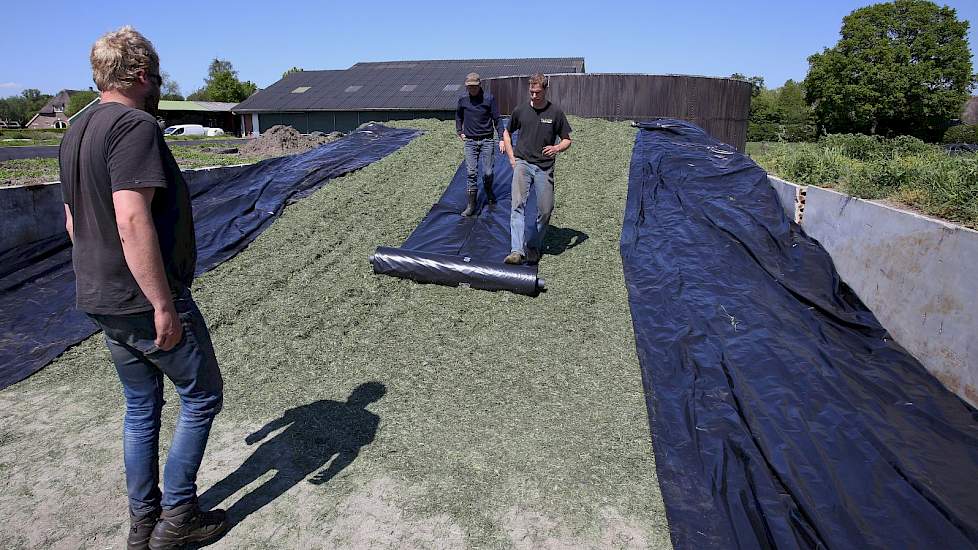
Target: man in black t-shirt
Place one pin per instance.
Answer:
(540, 123)
(128, 214)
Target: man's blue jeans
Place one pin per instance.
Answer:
(525, 176)
(476, 150)
(192, 368)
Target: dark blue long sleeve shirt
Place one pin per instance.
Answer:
(477, 116)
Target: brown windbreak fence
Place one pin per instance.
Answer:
(720, 106)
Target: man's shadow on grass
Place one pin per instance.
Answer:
(313, 435)
(561, 239)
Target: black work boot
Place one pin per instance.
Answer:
(490, 196)
(470, 208)
(185, 524)
(140, 528)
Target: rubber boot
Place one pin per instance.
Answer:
(140, 528)
(470, 208)
(187, 524)
(490, 196)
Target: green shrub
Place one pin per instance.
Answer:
(903, 169)
(773, 131)
(47, 133)
(964, 133)
(855, 146)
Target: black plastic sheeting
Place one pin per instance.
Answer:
(782, 413)
(449, 249)
(232, 206)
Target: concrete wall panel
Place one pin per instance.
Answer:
(917, 274)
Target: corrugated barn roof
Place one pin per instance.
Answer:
(392, 85)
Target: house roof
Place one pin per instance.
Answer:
(60, 101)
(433, 85)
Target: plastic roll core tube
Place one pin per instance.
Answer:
(443, 269)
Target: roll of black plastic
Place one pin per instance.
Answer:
(443, 269)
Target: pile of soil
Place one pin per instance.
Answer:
(285, 140)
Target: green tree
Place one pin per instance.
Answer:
(792, 107)
(14, 108)
(781, 114)
(902, 67)
(21, 108)
(290, 71)
(170, 89)
(222, 84)
(34, 100)
(78, 101)
(757, 82)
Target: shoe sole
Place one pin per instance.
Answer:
(192, 540)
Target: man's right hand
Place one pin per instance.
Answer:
(169, 331)
(461, 137)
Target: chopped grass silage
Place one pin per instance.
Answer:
(498, 406)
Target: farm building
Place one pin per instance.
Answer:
(341, 100)
(52, 115)
(212, 114)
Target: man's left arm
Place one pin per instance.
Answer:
(494, 113)
(563, 130)
(459, 116)
(69, 224)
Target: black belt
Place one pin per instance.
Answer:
(485, 136)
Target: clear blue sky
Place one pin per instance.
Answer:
(46, 45)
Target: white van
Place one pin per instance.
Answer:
(185, 130)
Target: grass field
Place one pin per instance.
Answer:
(24, 138)
(507, 422)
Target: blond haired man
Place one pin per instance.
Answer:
(128, 214)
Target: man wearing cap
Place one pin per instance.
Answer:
(476, 123)
(540, 124)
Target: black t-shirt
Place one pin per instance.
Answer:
(538, 128)
(122, 148)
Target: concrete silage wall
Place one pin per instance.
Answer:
(721, 106)
(917, 274)
(35, 212)
(30, 213)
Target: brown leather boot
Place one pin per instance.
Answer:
(514, 258)
(187, 524)
(140, 528)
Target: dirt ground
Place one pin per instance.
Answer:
(372, 412)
